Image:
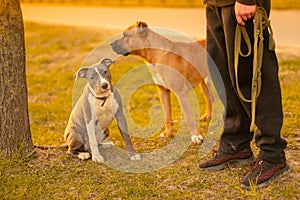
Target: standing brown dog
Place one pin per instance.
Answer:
(178, 66)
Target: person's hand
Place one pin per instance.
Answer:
(244, 12)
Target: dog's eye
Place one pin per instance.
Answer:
(92, 77)
(105, 72)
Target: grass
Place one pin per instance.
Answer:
(54, 54)
(276, 4)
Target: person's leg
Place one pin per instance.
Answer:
(269, 116)
(235, 139)
(269, 107)
(271, 157)
(220, 42)
(271, 161)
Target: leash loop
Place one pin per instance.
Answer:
(260, 23)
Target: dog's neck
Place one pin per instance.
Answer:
(103, 98)
(155, 44)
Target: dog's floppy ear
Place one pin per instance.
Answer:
(81, 73)
(106, 62)
(142, 28)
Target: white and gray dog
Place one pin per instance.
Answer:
(98, 105)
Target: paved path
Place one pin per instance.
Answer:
(190, 22)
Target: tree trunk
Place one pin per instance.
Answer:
(15, 135)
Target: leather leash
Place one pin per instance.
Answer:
(261, 22)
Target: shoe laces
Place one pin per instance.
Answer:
(215, 153)
(256, 165)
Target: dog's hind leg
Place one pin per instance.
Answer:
(73, 141)
(165, 99)
(208, 102)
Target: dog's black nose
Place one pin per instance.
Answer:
(104, 85)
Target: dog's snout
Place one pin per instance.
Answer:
(119, 48)
(112, 43)
(104, 86)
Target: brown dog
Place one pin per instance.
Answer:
(179, 67)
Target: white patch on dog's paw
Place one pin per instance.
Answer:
(84, 156)
(98, 158)
(197, 139)
(135, 157)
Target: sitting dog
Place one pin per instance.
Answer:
(177, 66)
(99, 103)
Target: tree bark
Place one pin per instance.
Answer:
(15, 135)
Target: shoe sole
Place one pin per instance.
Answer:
(228, 164)
(277, 175)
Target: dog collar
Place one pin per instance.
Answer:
(97, 96)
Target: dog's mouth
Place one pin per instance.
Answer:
(102, 91)
(126, 54)
(119, 50)
(102, 94)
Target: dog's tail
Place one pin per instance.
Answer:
(51, 147)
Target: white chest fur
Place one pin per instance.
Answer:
(156, 76)
(104, 112)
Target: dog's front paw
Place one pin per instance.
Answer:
(135, 157)
(197, 139)
(84, 156)
(98, 158)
